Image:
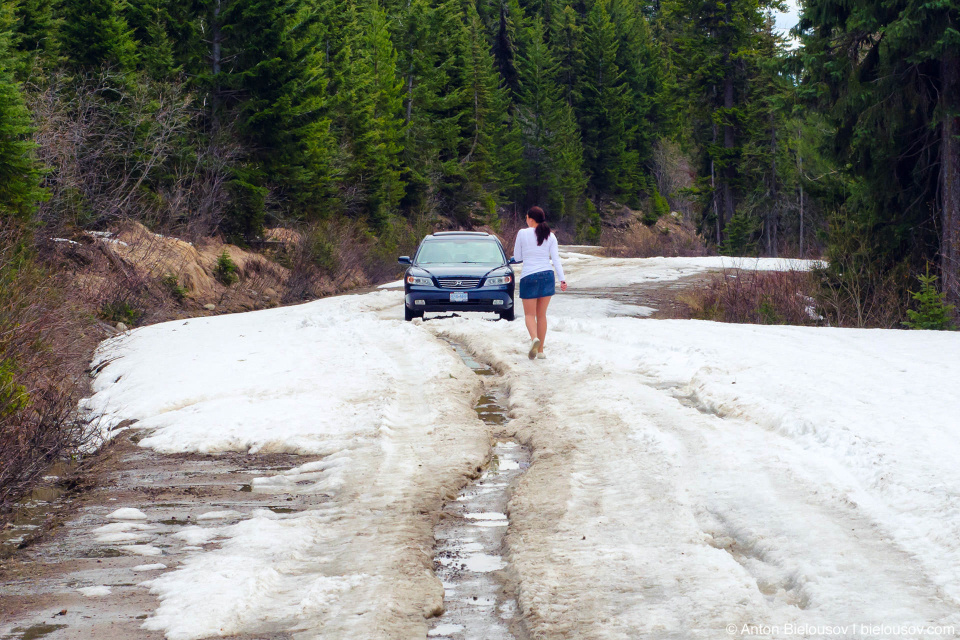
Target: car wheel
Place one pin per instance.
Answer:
(508, 315)
(409, 314)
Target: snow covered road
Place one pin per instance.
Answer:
(688, 479)
(690, 476)
(326, 378)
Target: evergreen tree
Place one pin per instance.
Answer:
(566, 42)
(932, 312)
(765, 168)
(553, 155)
(19, 171)
(35, 34)
(149, 20)
(602, 106)
(741, 236)
(188, 30)
(378, 108)
(367, 110)
(569, 178)
(509, 31)
(275, 89)
(711, 44)
(95, 33)
(492, 150)
(888, 76)
(460, 153)
(639, 63)
(431, 115)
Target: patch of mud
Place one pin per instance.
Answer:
(661, 296)
(83, 579)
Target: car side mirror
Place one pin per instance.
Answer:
(404, 260)
(512, 261)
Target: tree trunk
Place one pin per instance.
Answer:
(802, 255)
(728, 144)
(216, 42)
(772, 216)
(713, 191)
(410, 90)
(800, 184)
(950, 176)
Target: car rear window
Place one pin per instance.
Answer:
(448, 251)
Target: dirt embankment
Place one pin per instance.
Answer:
(134, 274)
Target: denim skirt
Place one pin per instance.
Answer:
(537, 285)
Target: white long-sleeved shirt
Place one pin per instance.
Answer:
(537, 258)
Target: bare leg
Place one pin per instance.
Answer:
(530, 316)
(542, 319)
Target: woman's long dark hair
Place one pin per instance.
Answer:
(543, 229)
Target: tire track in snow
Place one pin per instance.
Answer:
(641, 517)
(469, 551)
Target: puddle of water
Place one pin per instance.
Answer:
(478, 367)
(469, 542)
(468, 554)
(282, 509)
(31, 511)
(108, 552)
(37, 630)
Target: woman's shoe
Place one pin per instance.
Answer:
(534, 347)
(541, 356)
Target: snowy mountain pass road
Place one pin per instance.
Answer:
(688, 479)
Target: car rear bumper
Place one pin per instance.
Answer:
(477, 300)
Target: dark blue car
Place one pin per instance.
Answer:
(459, 271)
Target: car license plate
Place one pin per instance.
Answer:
(458, 296)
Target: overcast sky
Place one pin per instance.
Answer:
(788, 19)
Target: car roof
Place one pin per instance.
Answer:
(445, 234)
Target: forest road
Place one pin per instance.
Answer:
(687, 479)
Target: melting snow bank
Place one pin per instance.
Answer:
(327, 378)
(588, 271)
(689, 475)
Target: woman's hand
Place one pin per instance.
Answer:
(563, 285)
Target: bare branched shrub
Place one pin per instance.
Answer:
(328, 257)
(674, 175)
(339, 254)
(668, 237)
(856, 295)
(401, 238)
(857, 288)
(43, 354)
(120, 150)
(513, 222)
(756, 297)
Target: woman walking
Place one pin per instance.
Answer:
(536, 247)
